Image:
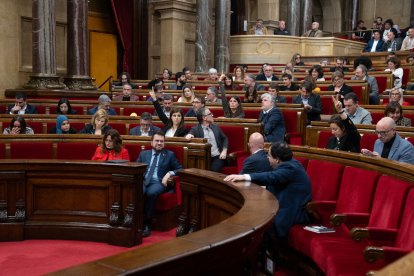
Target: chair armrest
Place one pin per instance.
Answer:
(337, 219)
(320, 210)
(350, 219)
(172, 181)
(235, 154)
(358, 234)
(382, 234)
(372, 253)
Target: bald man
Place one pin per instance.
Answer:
(390, 144)
(257, 161)
(314, 32)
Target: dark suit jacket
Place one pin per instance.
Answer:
(30, 109)
(255, 163)
(387, 45)
(290, 184)
(190, 113)
(345, 89)
(137, 130)
(167, 162)
(88, 129)
(293, 87)
(377, 49)
(262, 77)
(131, 98)
(278, 31)
(93, 110)
(221, 138)
(273, 124)
(315, 101)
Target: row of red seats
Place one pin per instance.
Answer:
(357, 203)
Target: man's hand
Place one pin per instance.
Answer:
(165, 179)
(152, 94)
(307, 107)
(367, 152)
(223, 154)
(16, 109)
(189, 136)
(234, 177)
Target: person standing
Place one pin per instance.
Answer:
(257, 161)
(272, 120)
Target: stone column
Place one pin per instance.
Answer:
(78, 47)
(355, 13)
(222, 36)
(268, 10)
(204, 33)
(44, 47)
(306, 15)
(293, 20)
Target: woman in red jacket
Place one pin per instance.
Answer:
(111, 148)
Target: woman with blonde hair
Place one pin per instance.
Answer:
(99, 123)
(187, 95)
(238, 74)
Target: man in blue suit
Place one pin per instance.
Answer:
(390, 144)
(162, 164)
(289, 183)
(272, 120)
(257, 162)
(375, 44)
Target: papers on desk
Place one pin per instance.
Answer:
(319, 229)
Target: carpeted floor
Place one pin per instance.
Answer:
(37, 257)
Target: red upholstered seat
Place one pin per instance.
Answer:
(292, 124)
(251, 113)
(237, 166)
(31, 150)
(323, 137)
(75, 150)
(411, 140)
(325, 186)
(133, 150)
(304, 161)
(36, 126)
(327, 105)
(386, 214)
(120, 127)
(376, 115)
(138, 110)
(402, 242)
(368, 141)
(354, 198)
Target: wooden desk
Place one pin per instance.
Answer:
(82, 200)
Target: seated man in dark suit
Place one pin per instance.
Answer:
(274, 91)
(272, 120)
(198, 102)
(104, 102)
(287, 83)
(218, 140)
(339, 65)
(267, 74)
(126, 94)
(311, 102)
(162, 164)
(257, 162)
(375, 44)
(20, 106)
(289, 183)
(146, 128)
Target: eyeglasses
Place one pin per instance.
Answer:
(336, 80)
(395, 94)
(209, 114)
(383, 133)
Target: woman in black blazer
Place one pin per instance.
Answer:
(173, 126)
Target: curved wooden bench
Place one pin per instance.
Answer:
(232, 219)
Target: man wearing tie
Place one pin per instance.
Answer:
(162, 164)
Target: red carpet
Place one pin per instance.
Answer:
(37, 257)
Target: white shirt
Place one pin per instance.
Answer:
(374, 46)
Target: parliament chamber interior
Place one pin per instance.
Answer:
(323, 89)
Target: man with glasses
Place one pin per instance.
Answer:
(20, 106)
(390, 144)
(357, 114)
(267, 74)
(338, 85)
(145, 128)
(211, 96)
(218, 140)
(288, 85)
(361, 73)
(197, 103)
(272, 119)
